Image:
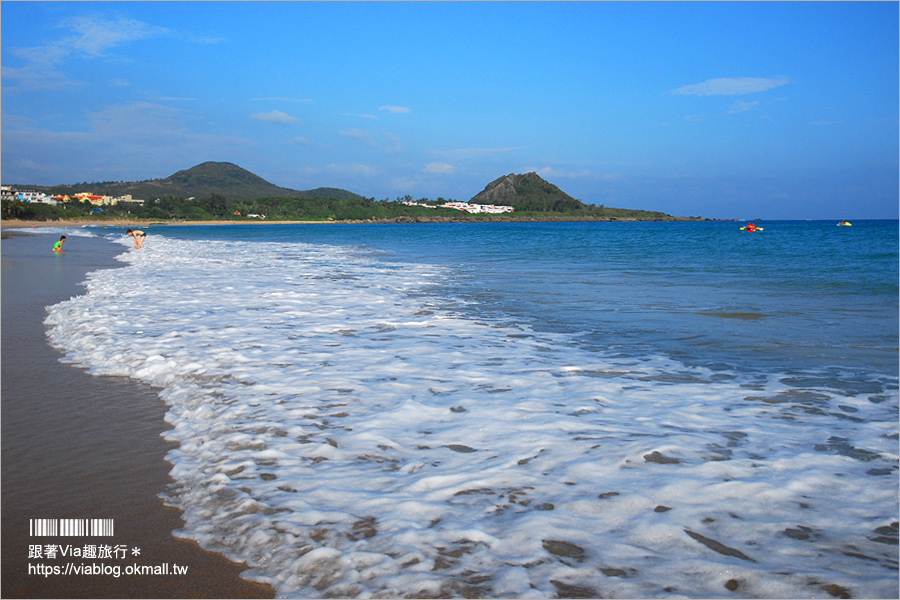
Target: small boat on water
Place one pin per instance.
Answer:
(844, 223)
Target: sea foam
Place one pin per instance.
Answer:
(344, 434)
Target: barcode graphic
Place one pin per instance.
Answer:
(70, 527)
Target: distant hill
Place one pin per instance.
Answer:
(532, 194)
(528, 192)
(222, 190)
(204, 180)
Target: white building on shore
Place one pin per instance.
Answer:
(8, 192)
(465, 206)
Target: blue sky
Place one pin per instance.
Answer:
(722, 110)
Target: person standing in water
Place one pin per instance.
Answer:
(138, 236)
(57, 247)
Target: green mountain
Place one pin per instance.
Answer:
(221, 190)
(204, 180)
(528, 192)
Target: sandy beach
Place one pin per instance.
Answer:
(79, 446)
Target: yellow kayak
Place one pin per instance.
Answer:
(845, 224)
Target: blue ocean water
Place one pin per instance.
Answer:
(520, 409)
(800, 294)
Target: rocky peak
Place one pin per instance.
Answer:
(508, 185)
(497, 189)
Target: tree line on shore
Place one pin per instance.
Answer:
(225, 191)
(220, 207)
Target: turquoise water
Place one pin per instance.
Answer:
(520, 410)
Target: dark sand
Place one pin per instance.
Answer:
(79, 446)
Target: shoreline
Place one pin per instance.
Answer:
(79, 446)
(22, 224)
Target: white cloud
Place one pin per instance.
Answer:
(274, 116)
(94, 36)
(358, 134)
(439, 168)
(91, 37)
(405, 184)
(131, 141)
(298, 140)
(34, 77)
(395, 109)
(739, 107)
(729, 86)
(43, 56)
(383, 140)
(144, 118)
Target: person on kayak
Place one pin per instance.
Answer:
(751, 227)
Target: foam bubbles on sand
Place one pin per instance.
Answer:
(343, 435)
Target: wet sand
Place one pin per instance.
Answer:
(79, 446)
